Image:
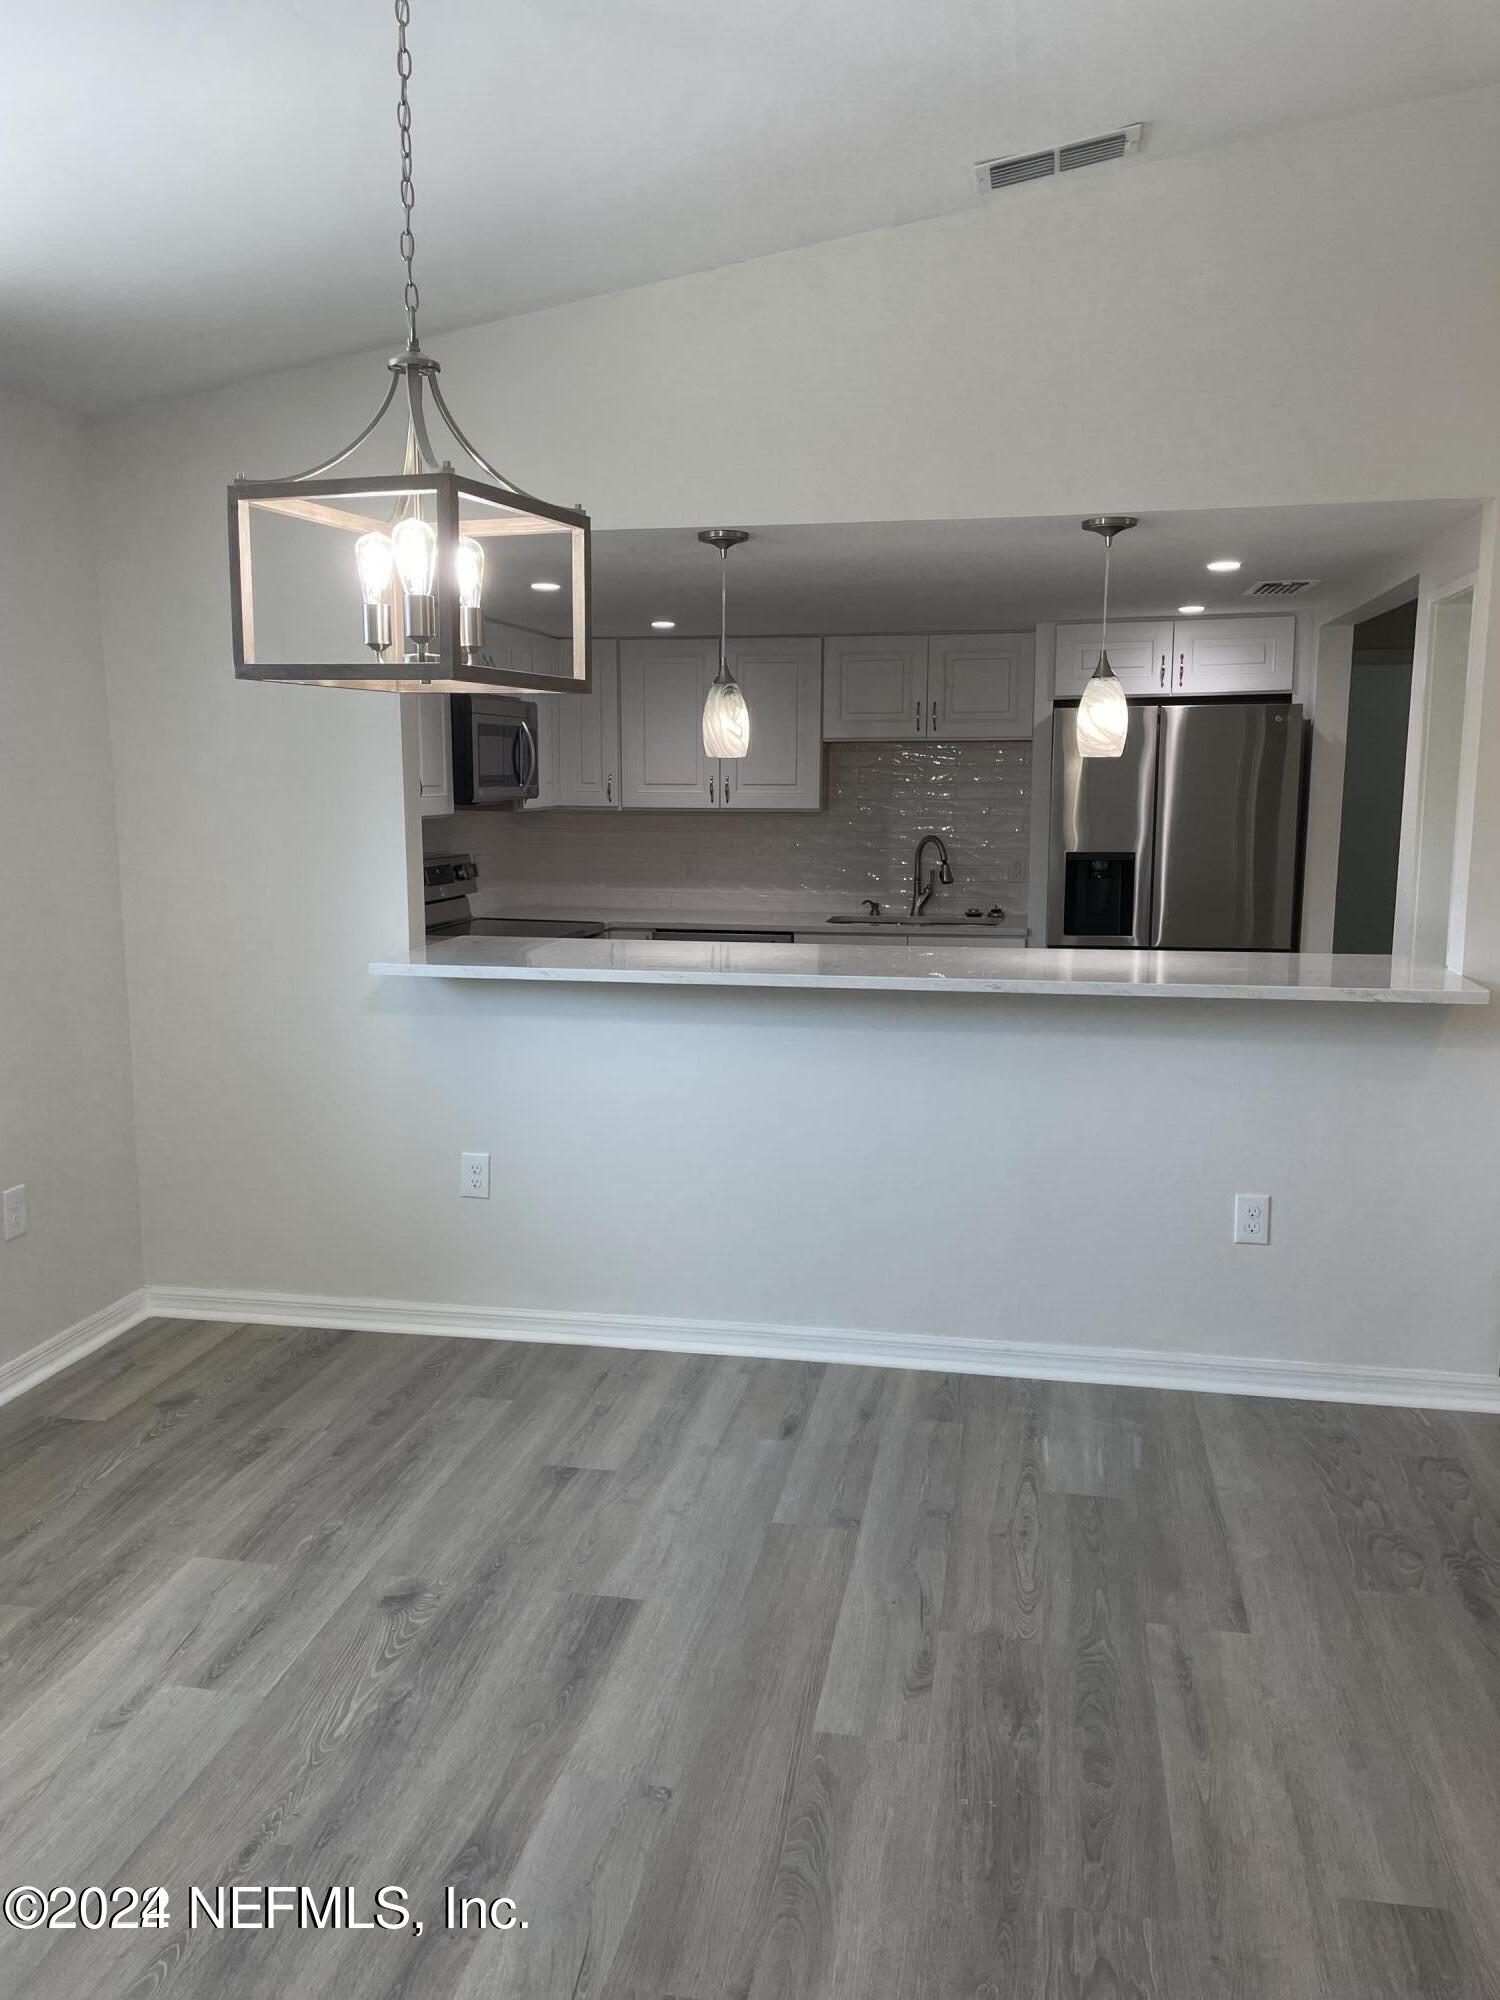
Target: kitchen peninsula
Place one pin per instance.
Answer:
(947, 968)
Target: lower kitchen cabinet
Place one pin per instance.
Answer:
(663, 686)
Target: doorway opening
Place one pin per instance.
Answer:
(1436, 813)
(1375, 756)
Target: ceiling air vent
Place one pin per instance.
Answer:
(1092, 152)
(993, 175)
(997, 174)
(1282, 586)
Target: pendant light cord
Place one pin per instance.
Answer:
(408, 246)
(723, 614)
(1104, 627)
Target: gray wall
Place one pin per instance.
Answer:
(65, 1101)
(721, 1155)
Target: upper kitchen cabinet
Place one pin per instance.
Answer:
(783, 684)
(663, 686)
(588, 735)
(1140, 651)
(1250, 655)
(980, 684)
(434, 755)
(548, 753)
(874, 689)
(910, 689)
(1232, 656)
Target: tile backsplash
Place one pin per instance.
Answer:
(881, 798)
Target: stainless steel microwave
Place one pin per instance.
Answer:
(494, 750)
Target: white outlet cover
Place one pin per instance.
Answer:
(14, 1200)
(1252, 1219)
(474, 1176)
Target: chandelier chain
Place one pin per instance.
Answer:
(408, 192)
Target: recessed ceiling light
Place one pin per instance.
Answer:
(546, 586)
(1224, 565)
(663, 624)
(1189, 610)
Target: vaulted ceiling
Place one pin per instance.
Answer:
(195, 191)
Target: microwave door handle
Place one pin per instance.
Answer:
(529, 771)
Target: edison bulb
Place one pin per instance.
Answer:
(726, 721)
(468, 564)
(415, 547)
(375, 560)
(1103, 717)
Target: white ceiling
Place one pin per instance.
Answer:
(196, 191)
(969, 576)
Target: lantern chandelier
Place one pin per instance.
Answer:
(1103, 717)
(438, 561)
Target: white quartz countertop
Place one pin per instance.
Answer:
(878, 966)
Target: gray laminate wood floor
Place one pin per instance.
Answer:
(745, 1678)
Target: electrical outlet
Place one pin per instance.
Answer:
(1252, 1219)
(474, 1176)
(15, 1212)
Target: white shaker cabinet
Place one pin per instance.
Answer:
(1182, 657)
(548, 753)
(913, 688)
(1232, 656)
(1140, 651)
(874, 689)
(979, 685)
(783, 684)
(588, 735)
(663, 685)
(434, 755)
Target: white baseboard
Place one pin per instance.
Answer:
(61, 1350)
(1125, 1366)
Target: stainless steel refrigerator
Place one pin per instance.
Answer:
(1190, 840)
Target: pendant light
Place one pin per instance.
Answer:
(726, 715)
(419, 545)
(1103, 718)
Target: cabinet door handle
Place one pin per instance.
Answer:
(919, 718)
(710, 791)
(1162, 676)
(609, 789)
(1181, 658)
(932, 726)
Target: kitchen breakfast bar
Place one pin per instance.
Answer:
(881, 967)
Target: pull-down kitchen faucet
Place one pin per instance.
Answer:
(921, 893)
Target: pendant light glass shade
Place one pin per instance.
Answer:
(1103, 718)
(726, 720)
(1103, 721)
(726, 713)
